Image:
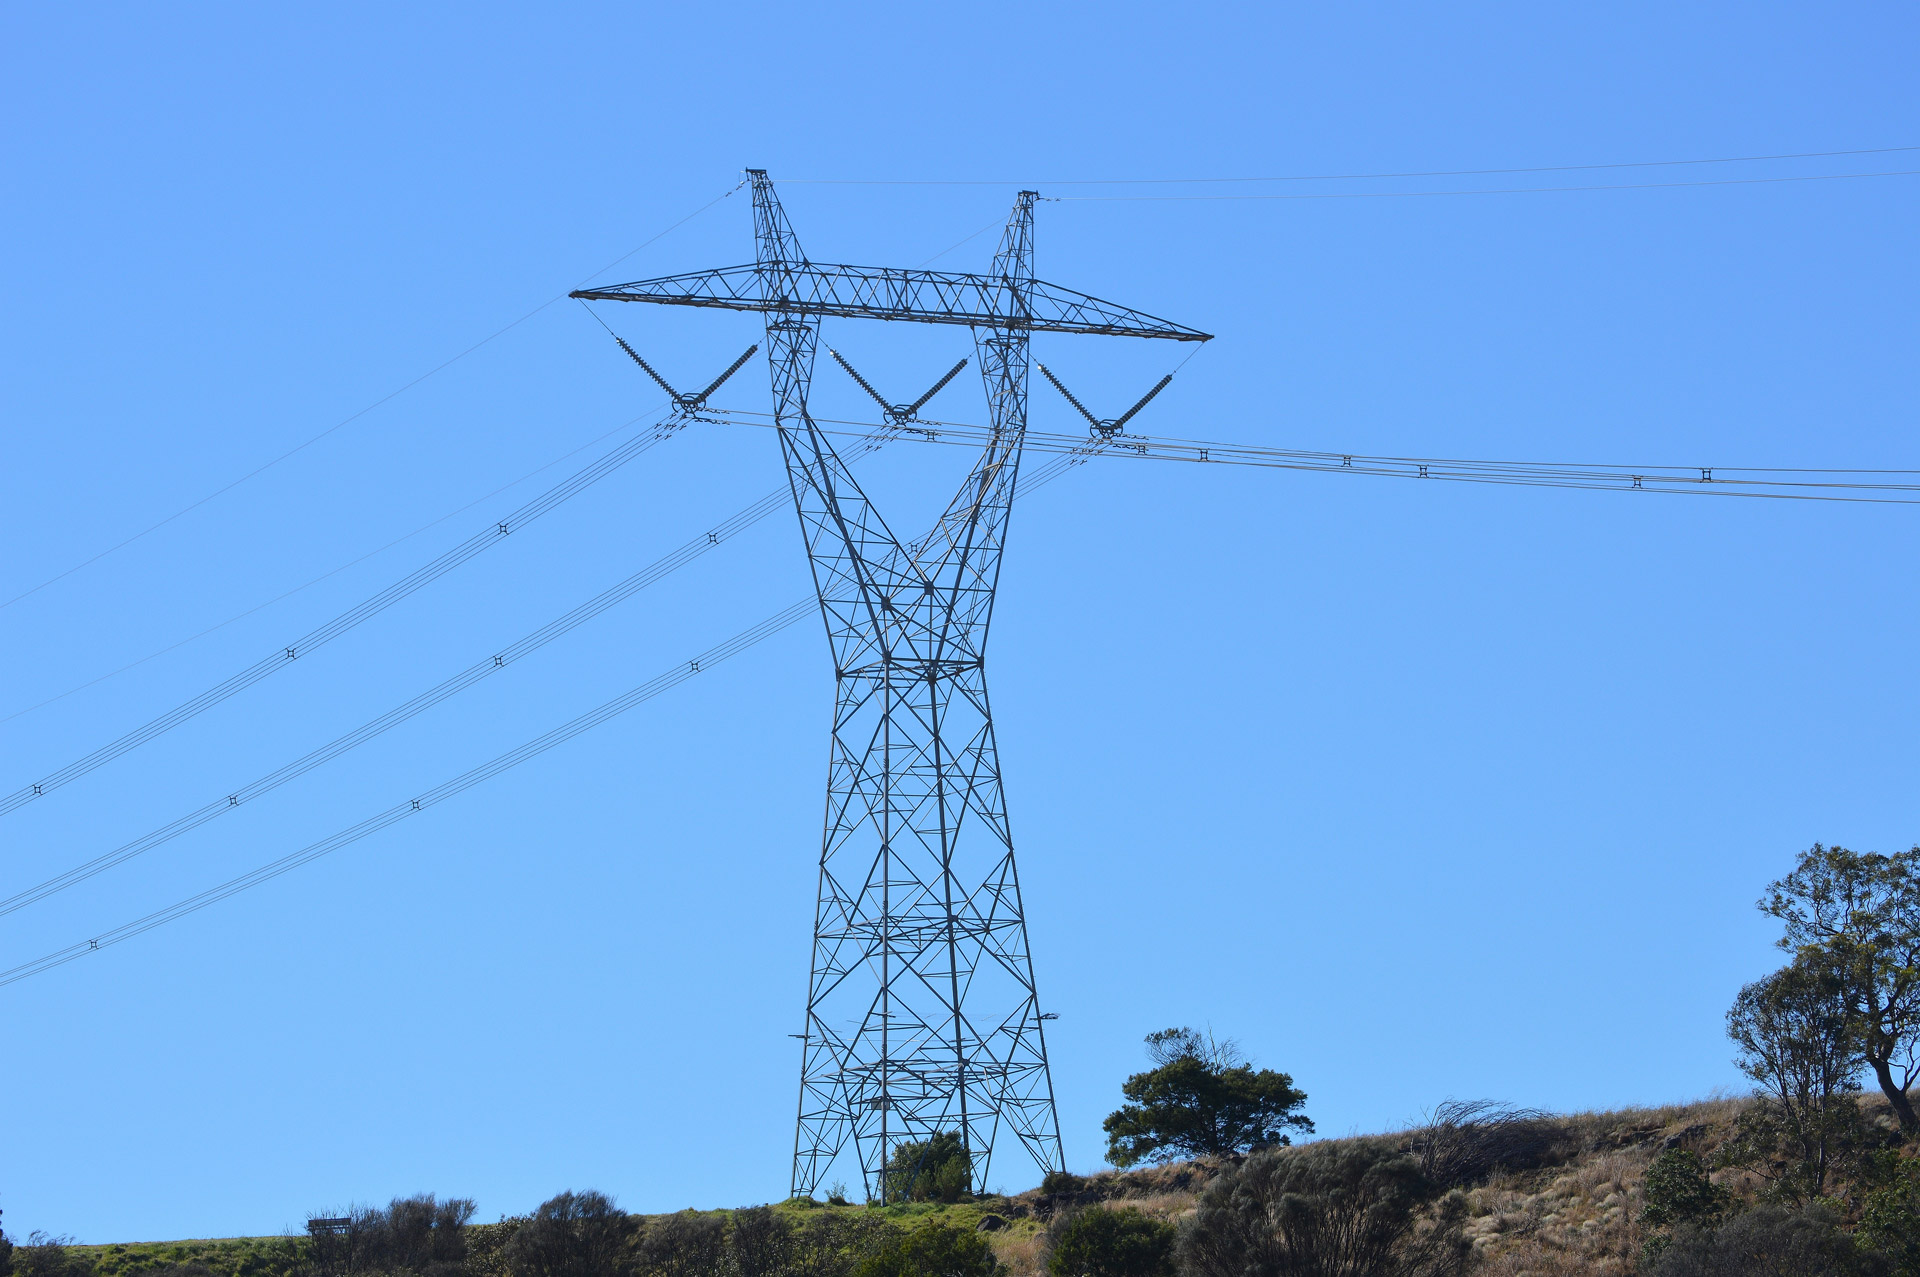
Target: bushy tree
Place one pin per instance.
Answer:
(1858, 916)
(1797, 1043)
(419, 1234)
(1769, 1241)
(1098, 1242)
(1679, 1191)
(574, 1235)
(834, 1243)
(1201, 1099)
(761, 1242)
(936, 1169)
(1353, 1209)
(1678, 1194)
(938, 1249)
(689, 1244)
(1890, 1213)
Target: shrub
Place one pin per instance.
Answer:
(1678, 1191)
(1768, 1241)
(834, 1243)
(933, 1250)
(1890, 1216)
(413, 1235)
(44, 1256)
(1352, 1209)
(1465, 1141)
(761, 1242)
(938, 1169)
(1098, 1242)
(685, 1245)
(573, 1235)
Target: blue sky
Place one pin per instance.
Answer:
(1417, 791)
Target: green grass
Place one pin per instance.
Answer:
(224, 1256)
(277, 1256)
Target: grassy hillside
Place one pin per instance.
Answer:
(1576, 1212)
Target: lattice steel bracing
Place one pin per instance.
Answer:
(922, 1014)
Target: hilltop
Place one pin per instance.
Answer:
(1575, 1209)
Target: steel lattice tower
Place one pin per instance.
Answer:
(922, 1015)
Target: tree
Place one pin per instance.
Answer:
(574, 1235)
(1797, 1042)
(419, 1234)
(1201, 1100)
(1098, 1242)
(761, 1242)
(1356, 1208)
(932, 1250)
(1859, 915)
(936, 1169)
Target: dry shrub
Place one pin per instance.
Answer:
(1466, 1141)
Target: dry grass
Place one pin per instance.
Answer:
(1576, 1216)
(1582, 1216)
(1022, 1256)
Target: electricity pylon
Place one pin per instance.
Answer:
(922, 1016)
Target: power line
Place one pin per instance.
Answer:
(353, 616)
(350, 419)
(511, 654)
(1782, 483)
(472, 675)
(393, 815)
(1355, 177)
(1503, 190)
(400, 811)
(331, 572)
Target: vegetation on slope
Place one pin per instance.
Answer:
(1808, 1175)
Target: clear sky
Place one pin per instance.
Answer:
(1418, 791)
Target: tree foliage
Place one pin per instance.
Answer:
(1890, 1213)
(1349, 1209)
(1857, 915)
(1202, 1099)
(420, 1234)
(1797, 1042)
(1769, 1241)
(574, 1235)
(936, 1169)
(1679, 1191)
(761, 1243)
(938, 1249)
(1098, 1242)
(688, 1244)
(44, 1256)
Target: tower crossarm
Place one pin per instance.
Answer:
(813, 289)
